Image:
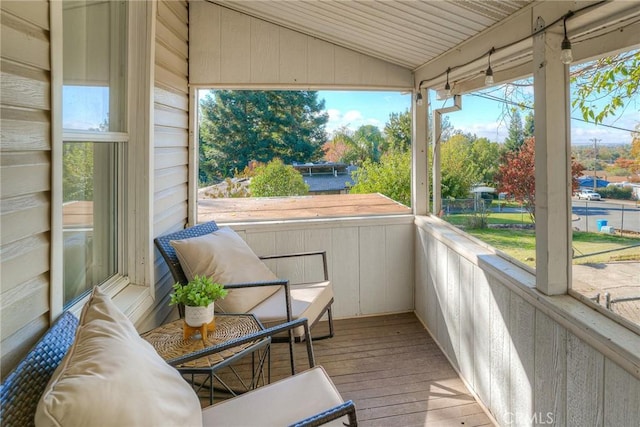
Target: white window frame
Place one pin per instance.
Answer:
(132, 287)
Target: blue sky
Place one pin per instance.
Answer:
(86, 107)
(482, 117)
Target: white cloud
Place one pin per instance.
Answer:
(352, 119)
(334, 114)
(604, 135)
(493, 131)
(352, 116)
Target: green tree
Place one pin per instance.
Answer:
(238, 126)
(77, 171)
(391, 177)
(615, 78)
(398, 132)
(515, 139)
(459, 172)
(362, 145)
(486, 157)
(277, 179)
(529, 125)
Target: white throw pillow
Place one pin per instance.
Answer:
(226, 258)
(112, 377)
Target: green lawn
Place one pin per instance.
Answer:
(521, 244)
(492, 218)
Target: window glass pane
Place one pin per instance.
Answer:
(94, 52)
(487, 156)
(89, 215)
(94, 102)
(86, 108)
(605, 140)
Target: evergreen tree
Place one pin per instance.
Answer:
(515, 139)
(529, 126)
(398, 132)
(239, 126)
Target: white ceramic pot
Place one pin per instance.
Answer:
(198, 316)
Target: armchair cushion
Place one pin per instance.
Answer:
(278, 404)
(225, 257)
(111, 376)
(307, 300)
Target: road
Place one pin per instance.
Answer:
(618, 214)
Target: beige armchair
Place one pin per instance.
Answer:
(220, 253)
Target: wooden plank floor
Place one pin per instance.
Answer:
(393, 371)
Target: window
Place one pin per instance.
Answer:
(337, 148)
(482, 191)
(94, 105)
(606, 218)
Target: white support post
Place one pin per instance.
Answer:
(437, 176)
(552, 164)
(437, 140)
(420, 168)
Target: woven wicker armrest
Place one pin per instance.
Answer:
(347, 408)
(22, 388)
(267, 333)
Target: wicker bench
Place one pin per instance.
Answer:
(21, 390)
(23, 387)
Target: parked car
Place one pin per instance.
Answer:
(589, 195)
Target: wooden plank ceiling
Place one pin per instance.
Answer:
(408, 33)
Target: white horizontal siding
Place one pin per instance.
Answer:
(25, 173)
(170, 139)
(231, 48)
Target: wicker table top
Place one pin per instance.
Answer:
(169, 343)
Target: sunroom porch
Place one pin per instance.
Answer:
(530, 353)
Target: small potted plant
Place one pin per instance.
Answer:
(198, 297)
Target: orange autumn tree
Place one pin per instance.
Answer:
(517, 175)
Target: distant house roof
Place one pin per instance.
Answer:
(338, 182)
(322, 168)
(587, 181)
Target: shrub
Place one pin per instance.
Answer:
(614, 192)
(277, 179)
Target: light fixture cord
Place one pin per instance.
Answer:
(564, 18)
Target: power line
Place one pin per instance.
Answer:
(528, 107)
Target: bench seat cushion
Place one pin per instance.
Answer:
(112, 377)
(278, 404)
